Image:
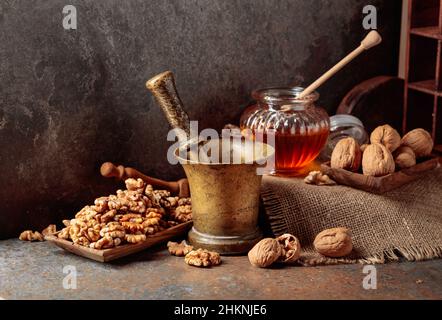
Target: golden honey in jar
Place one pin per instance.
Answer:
(297, 127)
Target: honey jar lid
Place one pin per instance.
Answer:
(340, 120)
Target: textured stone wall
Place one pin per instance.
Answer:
(70, 100)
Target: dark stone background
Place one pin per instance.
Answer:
(70, 100)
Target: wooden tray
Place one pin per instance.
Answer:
(123, 250)
(380, 184)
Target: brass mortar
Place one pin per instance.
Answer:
(225, 203)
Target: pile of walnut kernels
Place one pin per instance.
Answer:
(127, 217)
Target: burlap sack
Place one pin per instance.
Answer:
(404, 222)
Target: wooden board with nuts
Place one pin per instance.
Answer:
(125, 223)
(106, 255)
(387, 163)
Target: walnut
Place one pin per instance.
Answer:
(87, 212)
(108, 216)
(130, 217)
(50, 229)
(93, 234)
(82, 241)
(158, 197)
(152, 219)
(114, 230)
(173, 201)
(377, 161)
(363, 147)
(64, 233)
(128, 201)
(28, 235)
(185, 201)
(387, 136)
(182, 213)
(335, 242)
(420, 141)
(135, 238)
(101, 204)
(179, 249)
(104, 243)
(137, 185)
(291, 248)
(132, 227)
(404, 157)
(202, 258)
(66, 223)
(318, 178)
(346, 155)
(117, 242)
(265, 252)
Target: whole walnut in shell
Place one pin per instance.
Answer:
(387, 136)
(346, 155)
(377, 161)
(404, 157)
(334, 242)
(420, 141)
(265, 252)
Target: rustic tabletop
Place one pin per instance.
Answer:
(43, 271)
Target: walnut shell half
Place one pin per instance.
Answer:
(387, 136)
(377, 161)
(291, 248)
(346, 155)
(265, 252)
(420, 141)
(334, 242)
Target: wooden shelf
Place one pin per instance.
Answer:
(426, 86)
(429, 32)
(423, 70)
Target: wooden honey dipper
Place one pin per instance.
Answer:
(180, 187)
(372, 39)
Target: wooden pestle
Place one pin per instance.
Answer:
(180, 187)
(372, 39)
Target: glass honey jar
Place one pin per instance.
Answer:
(297, 127)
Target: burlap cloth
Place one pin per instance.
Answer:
(403, 222)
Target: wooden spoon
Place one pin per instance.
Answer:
(180, 187)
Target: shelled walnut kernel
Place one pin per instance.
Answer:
(128, 216)
(28, 235)
(202, 258)
(179, 249)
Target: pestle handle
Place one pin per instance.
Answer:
(164, 90)
(372, 39)
(109, 170)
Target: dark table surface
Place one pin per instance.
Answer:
(35, 271)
